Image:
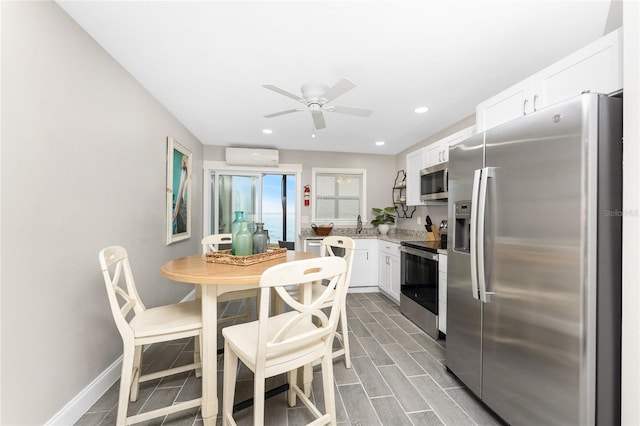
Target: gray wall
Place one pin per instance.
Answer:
(83, 163)
(381, 171)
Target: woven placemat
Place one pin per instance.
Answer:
(225, 256)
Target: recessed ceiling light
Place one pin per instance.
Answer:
(380, 143)
(267, 131)
(313, 135)
(421, 110)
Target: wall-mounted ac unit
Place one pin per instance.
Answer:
(252, 157)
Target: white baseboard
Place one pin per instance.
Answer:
(371, 289)
(74, 409)
(71, 413)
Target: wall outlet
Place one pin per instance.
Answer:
(419, 220)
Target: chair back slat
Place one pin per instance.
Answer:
(123, 296)
(346, 244)
(213, 242)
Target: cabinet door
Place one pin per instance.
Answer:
(414, 163)
(596, 68)
(454, 139)
(394, 280)
(389, 270)
(364, 272)
(434, 154)
(384, 275)
(504, 106)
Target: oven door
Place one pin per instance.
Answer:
(419, 277)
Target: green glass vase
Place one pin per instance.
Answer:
(235, 227)
(244, 240)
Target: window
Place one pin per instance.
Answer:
(339, 195)
(266, 195)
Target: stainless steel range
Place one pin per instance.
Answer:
(419, 284)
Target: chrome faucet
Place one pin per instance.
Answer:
(359, 225)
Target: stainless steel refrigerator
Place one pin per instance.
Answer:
(534, 273)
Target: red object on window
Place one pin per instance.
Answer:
(307, 192)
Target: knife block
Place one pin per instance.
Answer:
(433, 235)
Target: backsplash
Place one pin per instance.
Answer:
(370, 231)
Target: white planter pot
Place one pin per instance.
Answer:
(383, 228)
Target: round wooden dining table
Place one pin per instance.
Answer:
(215, 279)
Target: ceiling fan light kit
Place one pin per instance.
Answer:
(315, 97)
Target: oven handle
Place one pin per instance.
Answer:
(420, 253)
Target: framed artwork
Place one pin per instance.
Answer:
(178, 192)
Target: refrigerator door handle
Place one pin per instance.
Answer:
(477, 177)
(487, 172)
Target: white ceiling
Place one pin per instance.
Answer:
(206, 61)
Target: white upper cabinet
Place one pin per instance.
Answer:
(434, 154)
(438, 152)
(429, 156)
(454, 139)
(414, 163)
(595, 68)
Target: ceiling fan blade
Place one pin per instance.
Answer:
(338, 89)
(350, 110)
(285, 93)
(275, 114)
(318, 119)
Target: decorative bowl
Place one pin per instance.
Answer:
(322, 230)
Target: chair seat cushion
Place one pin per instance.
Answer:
(243, 339)
(167, 319)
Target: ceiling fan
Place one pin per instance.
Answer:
(315, 97)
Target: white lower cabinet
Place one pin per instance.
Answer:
(389, 269)
(364, 272)
(442, 293)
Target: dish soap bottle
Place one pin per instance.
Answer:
(243, 240)
(235, 227)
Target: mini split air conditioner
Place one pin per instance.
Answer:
(252, 157)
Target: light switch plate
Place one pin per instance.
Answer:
(419, 220)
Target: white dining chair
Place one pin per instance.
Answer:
(283, 343)
(212, 243)
(331, 245)
(342, 246)
(139, 326)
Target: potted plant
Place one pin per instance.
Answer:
(383, 218)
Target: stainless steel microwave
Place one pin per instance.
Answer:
(434, 183)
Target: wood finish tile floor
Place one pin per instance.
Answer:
(397, 378)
